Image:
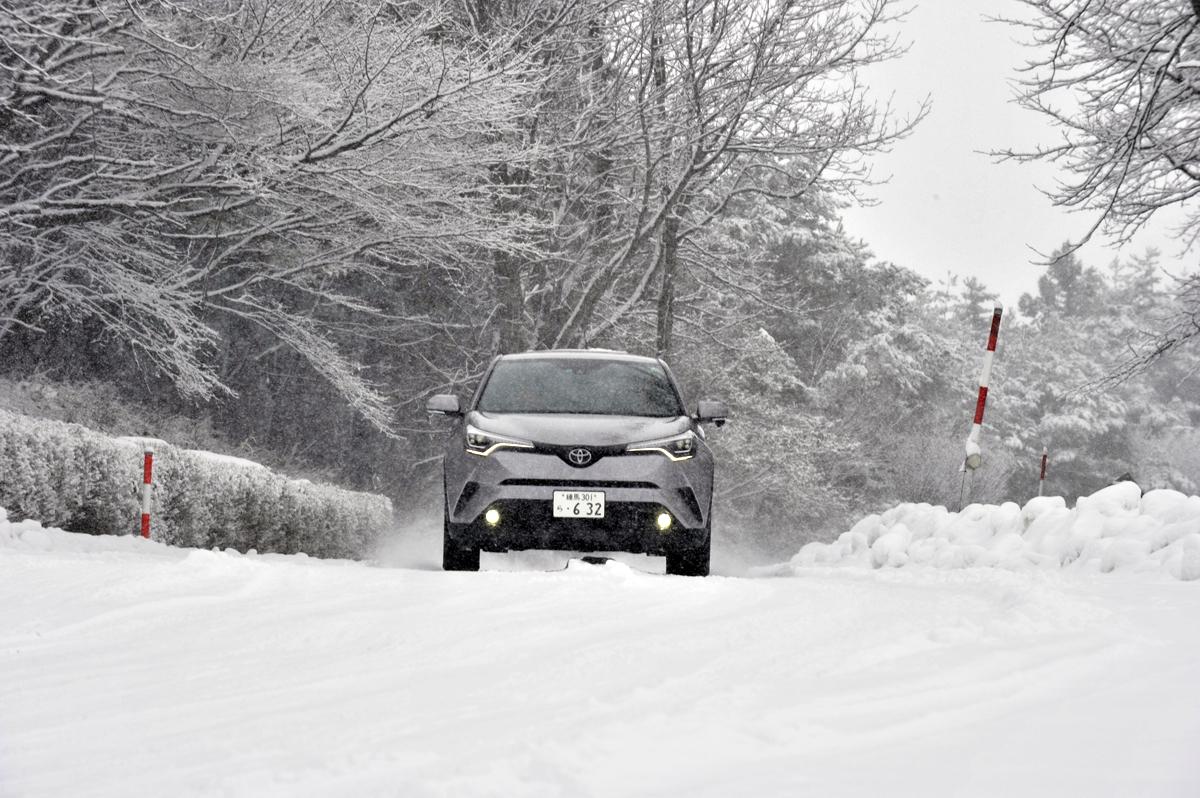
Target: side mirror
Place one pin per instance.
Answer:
(711, 410)
(444, 404)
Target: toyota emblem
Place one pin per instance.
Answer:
(579, 457)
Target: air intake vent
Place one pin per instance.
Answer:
(468, 491)
(689, 498)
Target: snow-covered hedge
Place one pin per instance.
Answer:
(1116, 528)
(74, 478)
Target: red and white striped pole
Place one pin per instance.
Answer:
(147, 482)
(974, 453)
(1042, 476)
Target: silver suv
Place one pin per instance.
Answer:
(579, 450)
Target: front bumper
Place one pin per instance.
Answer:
(520, 485)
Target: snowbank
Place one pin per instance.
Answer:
(31, 535)
(1114, 529)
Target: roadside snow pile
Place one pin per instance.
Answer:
(29, 532)
(32, 535)
(1116, 528)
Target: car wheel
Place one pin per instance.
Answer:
(455, 556)
(692, 561)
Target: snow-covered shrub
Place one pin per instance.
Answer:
(67, 475)
(72, 477)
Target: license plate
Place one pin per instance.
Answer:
(578, 504)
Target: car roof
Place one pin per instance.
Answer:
(606, 354)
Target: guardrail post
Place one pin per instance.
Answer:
(147, 484)
(974, 453)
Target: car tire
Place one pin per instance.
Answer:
(455, 556)
(692, 561)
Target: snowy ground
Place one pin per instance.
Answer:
(128, 668)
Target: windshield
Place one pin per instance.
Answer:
(598, 386)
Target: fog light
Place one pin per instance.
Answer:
(492, 516)
(663, 521)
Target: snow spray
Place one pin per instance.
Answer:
(147, 482)
(974, 453)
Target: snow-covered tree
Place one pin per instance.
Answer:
(1121, 81)
(671, 111)
(165, 167)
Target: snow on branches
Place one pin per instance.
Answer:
(1121, 80)
(163, 167)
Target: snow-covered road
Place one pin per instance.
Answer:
(128, 668)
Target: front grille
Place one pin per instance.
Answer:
(564, 452)
(536, 518)
(579, 483)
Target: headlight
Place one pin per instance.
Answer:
(484, 443)
(679, 447)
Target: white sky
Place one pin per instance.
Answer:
(948, 208)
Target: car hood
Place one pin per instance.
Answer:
(565, 429)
